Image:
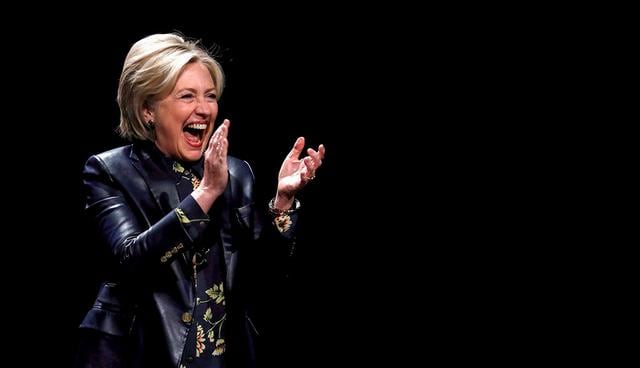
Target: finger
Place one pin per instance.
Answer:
(220, 134)
(221, 139)
(224, 128)
(310, 164)
(213, 141)
(224, 147)
(315, 155)
(297, 148)
(220, 130)
(210, 147)
(220, 144)
(225, 124)
(224, 141)
(321, 151)
(308, 174)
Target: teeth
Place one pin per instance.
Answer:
(197, 126)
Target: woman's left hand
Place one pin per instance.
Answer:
(295, 173)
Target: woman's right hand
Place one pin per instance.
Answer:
(215, 176)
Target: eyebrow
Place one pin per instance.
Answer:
(214, 89)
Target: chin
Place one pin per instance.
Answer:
(192, 155)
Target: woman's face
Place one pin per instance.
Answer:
(184, 118)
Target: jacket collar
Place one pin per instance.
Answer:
(161, 182)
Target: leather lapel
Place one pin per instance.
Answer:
(161, 183)
(226, 235)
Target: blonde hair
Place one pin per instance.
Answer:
(151, 68)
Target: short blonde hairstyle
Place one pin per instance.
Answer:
(151, 69)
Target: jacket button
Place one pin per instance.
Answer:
(187, 317)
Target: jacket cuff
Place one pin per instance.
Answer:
(191, 217)
(285, 221)
(286, 224)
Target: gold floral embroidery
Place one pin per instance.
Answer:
(283, 222)
(220, 347)
(214, 333)
(200, 341)
(195, 181)
(181, 216)
(216, 292)
(178, 168)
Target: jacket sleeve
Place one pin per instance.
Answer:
(274, 236)
(122, 225)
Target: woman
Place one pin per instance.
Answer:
(178, 216)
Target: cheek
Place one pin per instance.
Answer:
(213, 107)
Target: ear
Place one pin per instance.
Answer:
(147, 113)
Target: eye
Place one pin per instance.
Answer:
(212, 96)
(186, 96)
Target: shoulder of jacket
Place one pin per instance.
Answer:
(240, 181)
(115, 154)
(239, 168)
(112, 160)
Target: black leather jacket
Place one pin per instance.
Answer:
(150, 293)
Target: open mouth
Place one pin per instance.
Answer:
(194, 133)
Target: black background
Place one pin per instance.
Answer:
(404, 228)
(326, 88)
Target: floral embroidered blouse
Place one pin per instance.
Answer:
(205, 344)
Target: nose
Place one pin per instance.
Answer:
(203, 107)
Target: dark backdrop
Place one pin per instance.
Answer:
(278, 88)
(403, 229)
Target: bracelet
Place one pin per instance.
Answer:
(279, 212)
